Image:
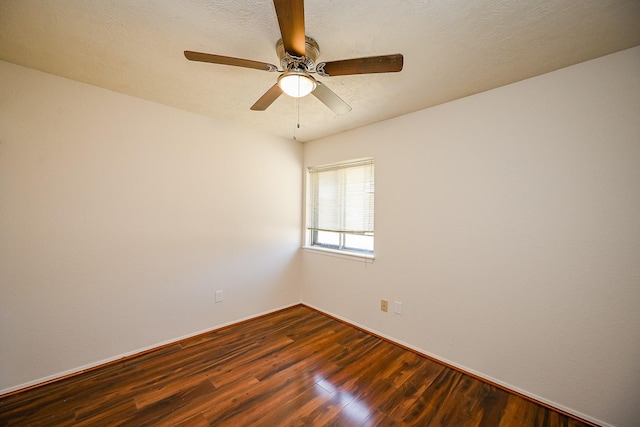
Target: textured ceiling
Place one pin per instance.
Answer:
(452, 49)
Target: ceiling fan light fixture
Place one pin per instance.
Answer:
(296, 83)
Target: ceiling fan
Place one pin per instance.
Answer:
(297, 54)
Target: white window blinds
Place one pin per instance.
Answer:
(342, 198)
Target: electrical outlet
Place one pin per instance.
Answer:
(384, 305)
(218, 296)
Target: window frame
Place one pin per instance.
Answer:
(311, 234)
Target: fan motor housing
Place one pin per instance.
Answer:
(308, 61)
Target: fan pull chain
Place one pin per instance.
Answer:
(297, 118)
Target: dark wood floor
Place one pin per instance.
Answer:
(296, 367)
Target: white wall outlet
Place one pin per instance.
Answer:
(218, 296)
(397, 307)
(384, 305)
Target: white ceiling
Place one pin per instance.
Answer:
(452, 49)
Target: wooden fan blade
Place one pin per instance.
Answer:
(227, 60)
(368, 65)
(330, 99)
(291, 20)
(267, 99)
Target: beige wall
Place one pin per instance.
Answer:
(120, 218)
(508, 225)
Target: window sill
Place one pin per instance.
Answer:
(340, 254)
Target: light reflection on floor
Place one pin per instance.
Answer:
(353, 409)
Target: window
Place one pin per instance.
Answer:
(340, 201)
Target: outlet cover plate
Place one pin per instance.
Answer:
(397, 307)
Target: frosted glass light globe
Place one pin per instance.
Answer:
(296, 83)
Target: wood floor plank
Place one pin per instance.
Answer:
(155, 412)
(412, 391)
(295, 367)
(492, 402)
(518, 412)
(305, 408)
(195, 421)
(427, 406)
